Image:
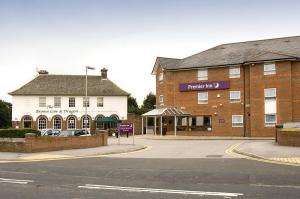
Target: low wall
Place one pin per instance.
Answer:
(288, 137)
(45, 143)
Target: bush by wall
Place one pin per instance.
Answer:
(17, 133)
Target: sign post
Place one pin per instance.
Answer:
(126, 128)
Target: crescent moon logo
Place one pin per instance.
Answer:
(216, 85)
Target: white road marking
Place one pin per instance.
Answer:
(14, 181)
(150, 190)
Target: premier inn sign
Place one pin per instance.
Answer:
(203, 86)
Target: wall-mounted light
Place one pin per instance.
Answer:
(215, 113)
(218, 95)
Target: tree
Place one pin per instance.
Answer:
(132, 105)
(5, 114)
(148, 103)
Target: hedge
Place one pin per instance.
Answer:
(17, 133)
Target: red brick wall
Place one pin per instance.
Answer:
(288, 138)
(45, 143)
(136, 120)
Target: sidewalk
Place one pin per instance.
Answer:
(271, 151)
(112, 148)
(180, 137)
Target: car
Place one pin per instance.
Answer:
(81, 132)
(50, 132)
(66, 133)
(75, 132)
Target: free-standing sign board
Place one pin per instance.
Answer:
(126, 128)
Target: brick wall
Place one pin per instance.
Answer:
(288, 138)
(136, 120)
(45, 143)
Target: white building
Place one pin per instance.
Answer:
(58, 101)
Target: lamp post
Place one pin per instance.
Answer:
(85, 103)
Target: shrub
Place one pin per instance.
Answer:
(17, 133)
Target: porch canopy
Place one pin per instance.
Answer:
(164, 112)
(107, 119)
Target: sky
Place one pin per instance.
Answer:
(126, 36)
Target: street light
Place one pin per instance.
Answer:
(85, 119)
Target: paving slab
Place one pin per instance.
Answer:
(270, 150)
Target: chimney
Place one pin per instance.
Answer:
(104, 73)
(43, 72)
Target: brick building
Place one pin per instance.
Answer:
(58, 101)
(236, 89)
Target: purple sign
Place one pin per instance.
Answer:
(126, 128)
(202, 86)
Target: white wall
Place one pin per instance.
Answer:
(29, 105)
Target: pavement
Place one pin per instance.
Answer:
(175, 147)
(112, 148)
(270, 151)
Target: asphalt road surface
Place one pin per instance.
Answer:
(130, 178)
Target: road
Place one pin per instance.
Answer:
(160, 177)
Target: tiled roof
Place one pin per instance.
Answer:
(69, 85)
(239, 53)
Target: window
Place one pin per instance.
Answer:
(161, 99)
(27, 121)
(203, 98)
(85, 122)
(99, 125)
(270, 94)
(161, 76)
(202, 74)
(234, 72)
(86, 102)
(270, 120)
(235, 96)
(99, 101)
(237, 121)
(72, 102)
(200, 123)
(269, 68)
(42, 101)
(57, 102)
(71, 123)
(114, 124)
(42, 123)
(57, 123)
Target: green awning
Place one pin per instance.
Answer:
(107, 119)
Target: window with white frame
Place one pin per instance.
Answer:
(237, 121)
(161, 76)
(85, 122)
(99, 101)
(161, 99)
(269, 68)
(270, 120)
(270, 94)
(72, 102)
(235, 96)
(42, 101)
(234, 72)
(57, 102)
(57, 123)
(202, 74)
(42, 123)
(86, 102)
(72, 123)
(203, 98)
